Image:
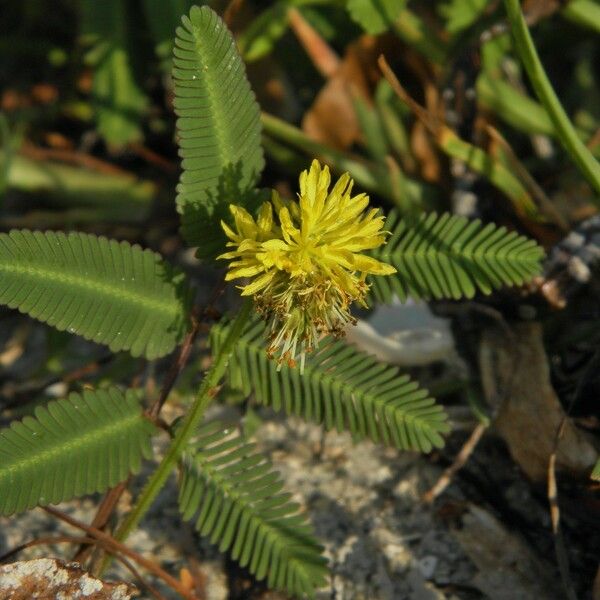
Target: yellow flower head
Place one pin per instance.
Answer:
(304, 260)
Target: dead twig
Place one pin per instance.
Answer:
(153, 158)
(114, 547)
(150, 588)
(47, 540)
(559, 543)
(34, 387)
(469, 446)
(176, 367)
(183, 355)
(323, 57)
(459, 462)
(427, 119)
(102, 516)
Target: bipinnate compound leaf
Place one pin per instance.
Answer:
(341, 387)
(447, 256)
(107, 291)
(78, 445)
(218, 128)
(235, 498)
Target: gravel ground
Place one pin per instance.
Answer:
(382, 541)
(363, 500)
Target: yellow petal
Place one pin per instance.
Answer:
(246, 271)
(258, 284)
(229, 232)
(368, 264)
(287, 226)
(243, 221)
(265, 217)
(275, 245)
(247, 246)
(358, 244)
(356, 206)
(342, 187)
(276, 200)
(228, 255)
(314, 184)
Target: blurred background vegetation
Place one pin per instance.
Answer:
(85, 90)
(87, 142)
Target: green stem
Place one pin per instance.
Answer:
(543, 89)
(184, 433)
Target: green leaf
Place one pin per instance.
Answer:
(371, 176)
(448, 256)
(596, 471)
(79, 445)
(84, 193)
(513, 106)
(341, 387)
(259, 38)
(373, 130)
(392, 115)
(490, 167)
(375, 16)
(162, 18)
(107, 291)
(461, 14)
(583, 12)
(579, 153)
(219, 129)
(119, 101)
(235, 498)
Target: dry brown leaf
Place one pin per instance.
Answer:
(508, 569)
(516, 381)
(331, 119)
(425, 152)
(536, 10)
(319, 51)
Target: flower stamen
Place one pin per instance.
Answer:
(305, 263)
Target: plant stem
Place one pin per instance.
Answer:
(205, 394)
(112, 497)
(544, 91)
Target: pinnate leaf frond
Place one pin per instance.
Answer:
(109, 292)
(341, 387)
(234, 497)
(218, 127)
(78, 445)
(447, 256)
